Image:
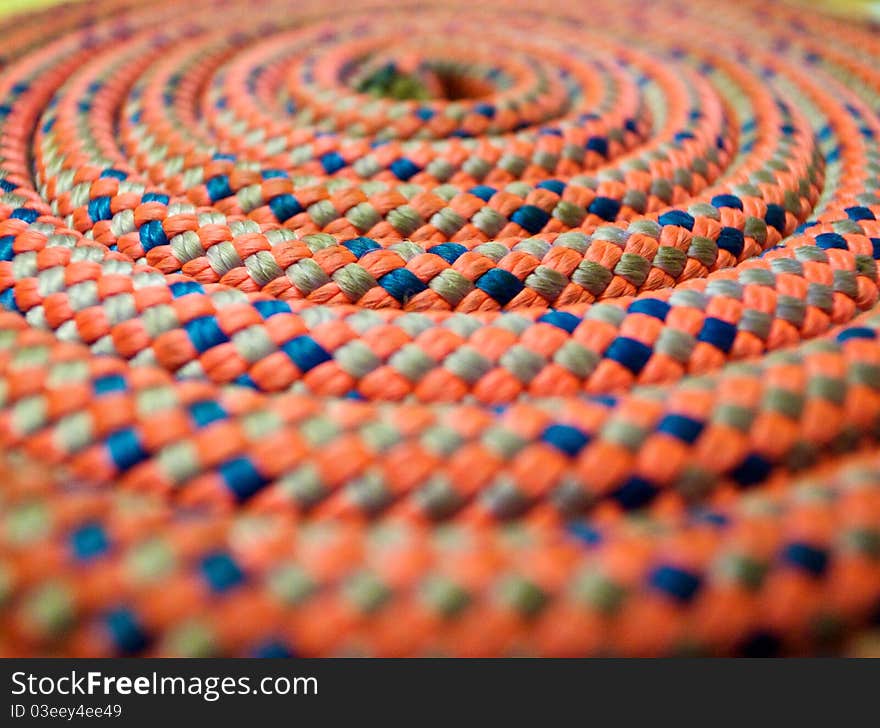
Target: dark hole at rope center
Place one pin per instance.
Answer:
(423, 84)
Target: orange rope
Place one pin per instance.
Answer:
(464, 330)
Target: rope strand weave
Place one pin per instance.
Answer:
(466, 330)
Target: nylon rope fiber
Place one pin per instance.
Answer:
(458, 329)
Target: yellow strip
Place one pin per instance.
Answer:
(849, 8)
(8, 7)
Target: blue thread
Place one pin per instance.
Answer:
(531, 218)
(152, 234)
(183, 288)
(305, 352)
(565, 438)
(25, 213)
(856, 332)
(267, 309)
(554, 185)
(245, 380)
(635, 493)
(125, 449)
(632, 354)
(733, 201)
(828, 241)
(206, 412)
(650, 307)
(684, 428)
(7, 243)
(598, 144)
(775, 216)
(273, 649)
(205, 333)
(404, 168)
(500, 285)
(678, 218)
(113, 174)
(752, 470)
(562, 320)
(7, 300)
(484, 192)
(221, 572)
(678, 583)
(450, 252)
(720, 334)
(242, 477)
(804, 556)
(89, 541)
(584, 533)
(401, 284)
(109, 383)
(731, 240)
(155, 197)
(605, 207)
(361, 246)
(859, 213)
(99, 208)
(716, 519)
(218, 187)
(332, 162)
(284, 207)
(125, 631)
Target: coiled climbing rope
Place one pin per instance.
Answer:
(459, 329)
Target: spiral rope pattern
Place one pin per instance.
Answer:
(460, 329)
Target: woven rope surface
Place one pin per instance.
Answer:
(451, 330)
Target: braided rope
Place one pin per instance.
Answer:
(442, 330)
